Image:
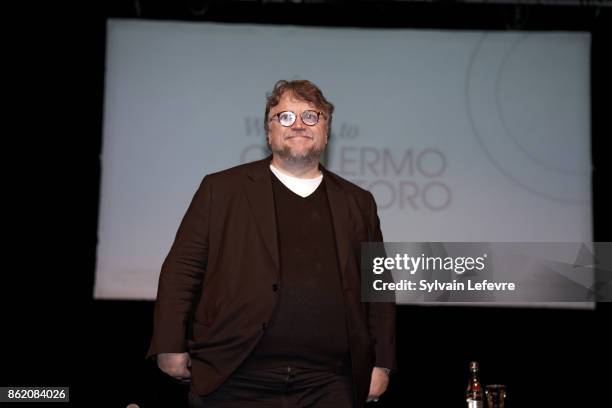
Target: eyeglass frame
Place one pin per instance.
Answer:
(277, 116)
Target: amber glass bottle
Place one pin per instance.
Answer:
(474, 394)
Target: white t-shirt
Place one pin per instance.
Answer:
(300, 186)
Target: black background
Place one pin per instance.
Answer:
(55, 334)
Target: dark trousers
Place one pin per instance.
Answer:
(281, 387)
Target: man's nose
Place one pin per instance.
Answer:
(298, 124)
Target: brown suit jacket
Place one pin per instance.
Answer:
(216, 287)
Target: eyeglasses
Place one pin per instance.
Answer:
(287, 118)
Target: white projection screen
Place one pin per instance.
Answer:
(460, 135)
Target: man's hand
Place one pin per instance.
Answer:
(176, 365)
(378, 384)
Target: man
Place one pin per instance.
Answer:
(259, 298)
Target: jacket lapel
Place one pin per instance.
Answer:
(259, 193)
(339, 207)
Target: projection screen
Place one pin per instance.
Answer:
(460, 135)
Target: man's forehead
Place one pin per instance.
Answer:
(289, 98)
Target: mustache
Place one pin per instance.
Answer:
(298, 133)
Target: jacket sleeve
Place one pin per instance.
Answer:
(381, 315)
(181, 276)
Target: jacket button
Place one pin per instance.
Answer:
(275, 287)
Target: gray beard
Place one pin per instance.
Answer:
(299, 160)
